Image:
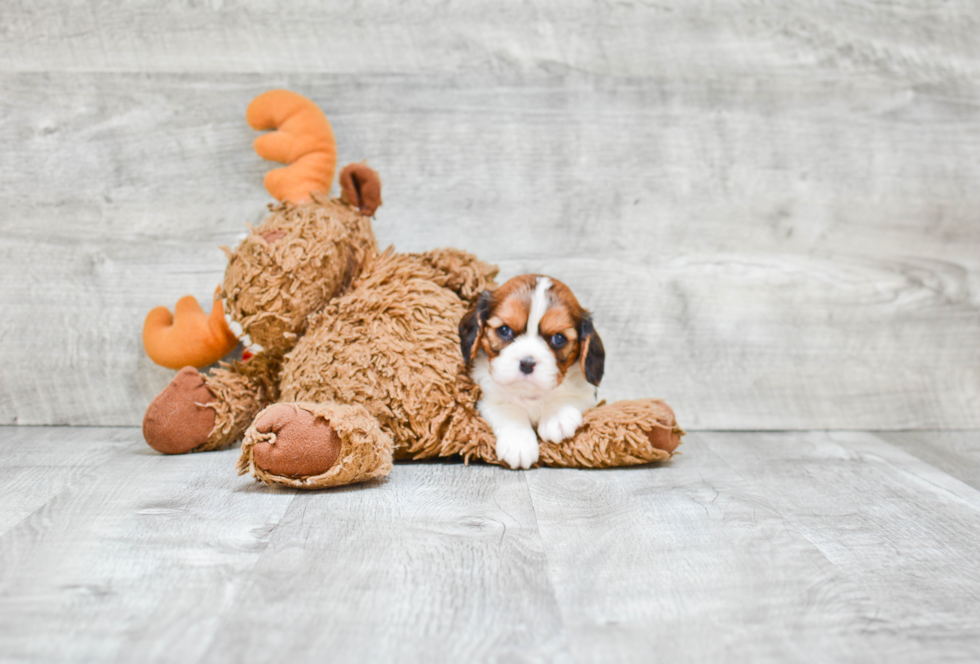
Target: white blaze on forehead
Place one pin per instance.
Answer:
(539, 305)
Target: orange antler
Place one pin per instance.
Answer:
(304, 140)
(189, 336)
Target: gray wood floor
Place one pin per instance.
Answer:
(804, 546)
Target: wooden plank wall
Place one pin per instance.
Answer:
(771, 207)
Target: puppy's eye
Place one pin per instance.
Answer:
(558, 340)
(505, 333)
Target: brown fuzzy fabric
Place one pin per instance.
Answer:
(459, 271)
(365, 450)
(317, 250)
(625, 433)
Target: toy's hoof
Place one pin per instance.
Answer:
(310, 445)
(667, 436)
(178, 420)
(303, 445)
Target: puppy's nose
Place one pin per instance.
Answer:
(527, 365)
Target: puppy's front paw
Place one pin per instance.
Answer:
(561, 425)
(517, 447)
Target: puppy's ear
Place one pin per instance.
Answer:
(472, 326)
(591, 353)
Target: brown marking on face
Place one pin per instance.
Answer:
(510, 306)
(512, 312)
(563, 316)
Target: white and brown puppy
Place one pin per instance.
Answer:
(533, 352)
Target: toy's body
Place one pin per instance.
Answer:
(360, 360)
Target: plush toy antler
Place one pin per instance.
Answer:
(303, 139)
(189, 336)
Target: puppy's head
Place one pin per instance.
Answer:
(533, 330)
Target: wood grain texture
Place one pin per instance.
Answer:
(143, 545)
(441, 562)
(692, 38)
(690, 562)
(903, 530)
(765, 547)
(769, 208)
(40, 462)
(748, 547)
(954, 452)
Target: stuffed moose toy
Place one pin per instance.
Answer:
(353, 354)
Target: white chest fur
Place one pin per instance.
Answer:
(534, 402)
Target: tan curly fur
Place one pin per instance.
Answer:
(241, 389)
(292, 265)
(391, 345)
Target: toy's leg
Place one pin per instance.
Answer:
(625, 433)
(313, 445)
(197, 412)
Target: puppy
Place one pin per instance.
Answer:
(533, 351)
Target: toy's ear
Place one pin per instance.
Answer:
(591, 354)
(472, 326)
(303, 139)
(360, 186)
